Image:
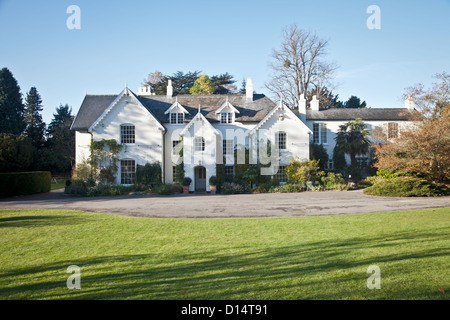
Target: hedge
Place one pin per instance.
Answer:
(23, 183)
(407, 187)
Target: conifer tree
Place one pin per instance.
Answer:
(11, 105)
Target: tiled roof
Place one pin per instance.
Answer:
(374, 114)
(249, 111)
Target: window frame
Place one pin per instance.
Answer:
(320, 133)
(199, 145)
(281, 140)
(124, 164)
(226, 117)
(280, 176)
(175, 144)
(127, 133)
(392, 132)
(227, 145)
(176, 118)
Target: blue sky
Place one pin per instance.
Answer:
(125, 40)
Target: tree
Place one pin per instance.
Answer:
(61, 141)
(354, 102)
(353, 139)
(303, 171)
(11, 105)
(16, 153)
(319, 153)
(203, 85)
(423, 146)
(181, 82)
(35, 128)
(224, 84)
(326, 98)
(299, 66)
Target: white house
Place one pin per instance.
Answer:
(153, 128)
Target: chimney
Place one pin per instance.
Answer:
(409, 103)
(249, 90)
(169, 89)
(145, 90)
(302, 107)
(314, 104)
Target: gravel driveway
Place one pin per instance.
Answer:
(226, 206)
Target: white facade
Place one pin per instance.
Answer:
(148, 139)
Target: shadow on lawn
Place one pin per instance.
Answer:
(39, 221)
(314, 270)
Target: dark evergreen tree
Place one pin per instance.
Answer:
(224, 84)
(35, 126)
(354, 102)
(60, 144)
(318, 152)
(16, 153)
(11, 105)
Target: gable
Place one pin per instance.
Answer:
(279, 114)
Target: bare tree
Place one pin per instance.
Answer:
(299, 66)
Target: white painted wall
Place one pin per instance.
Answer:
(297, 137)
(206, 158)
(148, 146)
(82, 144)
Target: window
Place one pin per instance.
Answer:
(199, 144)
(392, 130)
(176, 118)
(323, 133)
(226, 117)
(320, 133)
(281, 174)
(329, 165)
(127, 134)
(174, 172)
(316, 133)
(175, 147)
(228, 147)
(281, 140)
(127, 171)
(229, 171)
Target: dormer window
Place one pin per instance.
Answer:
(176, 113)
(226, 117)
(176, 118)
(226, 113)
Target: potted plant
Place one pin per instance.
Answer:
(212, 184)
(186, 183)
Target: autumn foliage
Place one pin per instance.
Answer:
(424, 146)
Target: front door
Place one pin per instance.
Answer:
(200, 179)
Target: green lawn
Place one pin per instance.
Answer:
(58, 185)
(263, 258)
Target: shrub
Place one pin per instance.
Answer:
(148, 174)
(407, 187)
(232, 188)
(164, 189)
(301, 171)
(288, 188)
(213, 181)
(334, 181)
(77, 188)
(24, 183)
(187, 182)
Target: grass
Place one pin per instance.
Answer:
(58, 185)
(324, 257)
